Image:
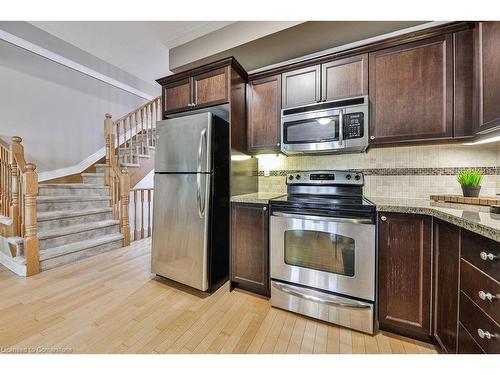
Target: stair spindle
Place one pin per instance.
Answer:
(136, 231)
(143, 151)
(149, 212)
(142, 213)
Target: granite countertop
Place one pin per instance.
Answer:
(260, 197)
(469, 217)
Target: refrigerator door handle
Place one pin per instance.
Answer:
(203, 140)
(198, 195)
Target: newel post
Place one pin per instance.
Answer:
(110, 145)
(124, 201)
(31, 244)
(15, 148)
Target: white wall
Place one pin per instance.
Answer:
(57, 111)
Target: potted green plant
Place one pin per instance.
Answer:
(470, 180)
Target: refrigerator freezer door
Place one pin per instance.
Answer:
(183, 144)
(180, 228)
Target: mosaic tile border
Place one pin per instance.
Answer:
(451, 171)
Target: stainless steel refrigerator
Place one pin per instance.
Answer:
(191, 201)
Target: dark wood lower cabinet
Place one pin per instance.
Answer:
(250, 247)
(404, 274)
(466, 344)
(446, 276)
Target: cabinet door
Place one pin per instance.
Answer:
(302, 86)
(487, 75)
(211, 88)
(464, 80)
(446, 276)
(411, 91)
(344, 78)
(264, 107)
(177, 96)
(404, 275)
(249, 247)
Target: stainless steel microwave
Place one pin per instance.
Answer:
(334, 126)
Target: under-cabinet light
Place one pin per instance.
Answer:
(483, 140)
(240, 157)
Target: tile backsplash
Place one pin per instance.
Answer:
(413, 171)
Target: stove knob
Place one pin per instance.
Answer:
(290, 178)
(358, 177)
(348, 177)
(297, 177)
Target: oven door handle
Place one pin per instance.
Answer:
(331, 300)
(347, 220)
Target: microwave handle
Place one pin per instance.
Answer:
(341, 127)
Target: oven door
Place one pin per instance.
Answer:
(328, 253)
(310, 132)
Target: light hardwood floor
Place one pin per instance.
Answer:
(112, 304)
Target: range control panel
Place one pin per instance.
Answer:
(354, 125)
(333, 177)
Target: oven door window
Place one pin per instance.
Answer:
(315, 130)
(322, 251)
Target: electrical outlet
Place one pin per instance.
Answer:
(266, 173)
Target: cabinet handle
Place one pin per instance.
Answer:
(484, 334)
(486, 296)
(372, 137)
(383, 218)
(487, 256)
(264, 208)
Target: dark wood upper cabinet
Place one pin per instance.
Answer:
(446, 278)
(177, 96)
(300, 87)
(411, 91)
(487, 75)
(264, 109)
(404, 276)
(219, 83)
(345, 77)
(250, 247)
(463, 84)
(211, 88)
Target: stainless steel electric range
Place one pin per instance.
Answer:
(322, 237)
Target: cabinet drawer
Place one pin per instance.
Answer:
(476, 247)
(475, 321)
(466, 344)
(477, 285)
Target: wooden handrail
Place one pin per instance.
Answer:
(141, 197)
(125, 138)
(118, 181)
(18, 193)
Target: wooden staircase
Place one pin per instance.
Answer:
(46, 225)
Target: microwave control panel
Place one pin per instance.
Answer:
(354, 125)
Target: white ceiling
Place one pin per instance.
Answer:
(138, 47)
